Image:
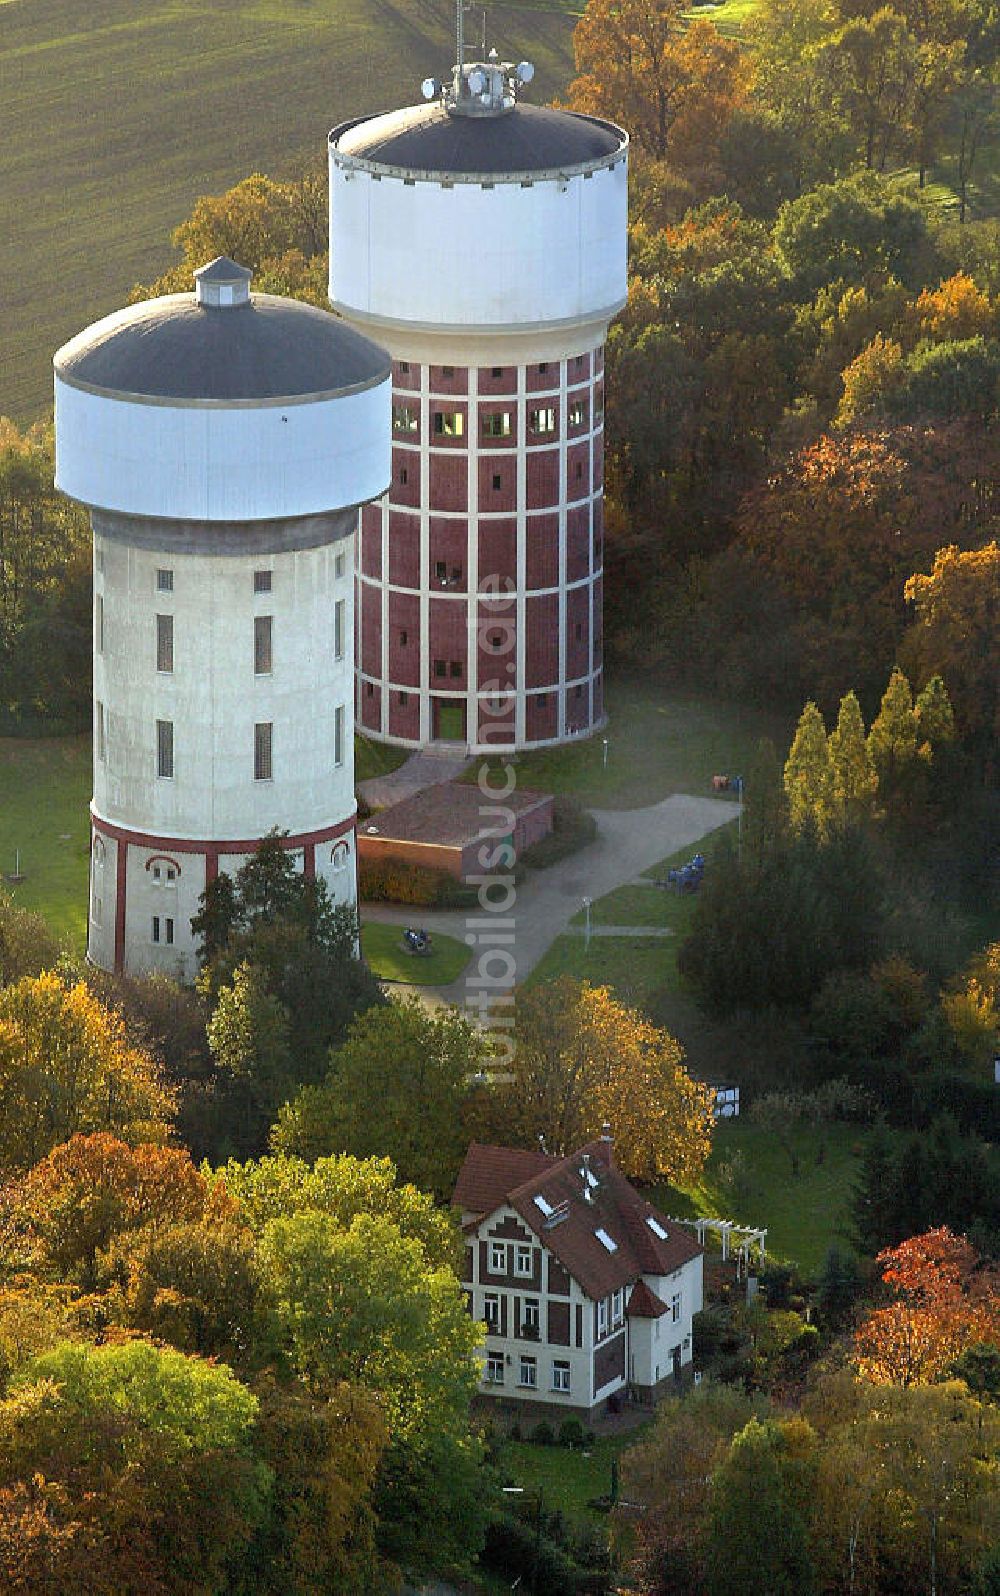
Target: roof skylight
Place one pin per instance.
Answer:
(544, 1205)
(606, 1240)
(656, 1227)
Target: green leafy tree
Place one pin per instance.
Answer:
(249, 1037)
(934, 717)
(856, 230)
(871, 63)
(397, 1086)
(892, 741)
(758, 1516)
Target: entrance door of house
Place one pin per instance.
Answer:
(449, 721)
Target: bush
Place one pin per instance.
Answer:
(710, 1330)
(571, 1432)
(543, 1434)
(398, 881)
(573, 828)
(514, 1549)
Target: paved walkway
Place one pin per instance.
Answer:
(629, 841)
(427, 768)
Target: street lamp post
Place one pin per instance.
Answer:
(605, 753)
(586, 931)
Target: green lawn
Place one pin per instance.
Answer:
(376, 759)
(116, 115)
(805, 1213)
(567, 1479)
(44, 815)
(382, 946)
(658, 743)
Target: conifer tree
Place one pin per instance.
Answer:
(855, 782)
(809, 779)
(934, 719)
(892, 741)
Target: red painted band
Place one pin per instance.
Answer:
(146, 839)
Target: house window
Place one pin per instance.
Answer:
(675, 1307)
(602, 1318)
(164, 642)
(164, 581)
(496, 424)
(262, 748)
(440, 667)
(262, 645)
(543, 420)
(530, 1320)
(165, 749)
(491, 1309)
(560, 1375)
(262, 581)
(618, 1307)
(99, 621)
(494, 1368)
(527, 1373)
(498, 1257)
(496, 482)
(99, 721)
(338, 735)
(448, 423)
(404, 418)
(339, 628)
(577, 414)
(522, 1260)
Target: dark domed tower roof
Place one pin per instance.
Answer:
(431, 141)
(221, 345)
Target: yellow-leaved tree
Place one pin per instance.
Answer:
(583, 1059)
(67, 1067)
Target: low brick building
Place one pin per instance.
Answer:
(585, 1290)
(457, 828)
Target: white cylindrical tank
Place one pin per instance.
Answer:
(483, 243)
(223, 441)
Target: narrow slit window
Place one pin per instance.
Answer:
(262, 639)
(99, 621)
(165, 643)
(165, 749)
(262, 751)
(339, 628)
(338, 735)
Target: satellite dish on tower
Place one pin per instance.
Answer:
(430, 88)
(524, 72)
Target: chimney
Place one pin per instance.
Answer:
(607, 1152)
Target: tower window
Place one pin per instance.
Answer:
(262, 747)
(165, 643)
(543, 420)
(579, 631)
(577, 414)
(404, 418)
(496, 482)
(456, 668)
(440, 571)
(99, 720)
(99, 621)
(496, 424)
(543, 367)
(165, 749)
(440, 667)
(403, 636)
(262, 657)
(404, 476)
(370, 689)
(403, 699)
(497, 371)
(404, 365)
(339, 566)
(579, 470)
(164, 581)
(447, 371)
(339, 628)
(449, 424)
(338, 734)
(262, 581)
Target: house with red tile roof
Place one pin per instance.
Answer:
(586, 1291)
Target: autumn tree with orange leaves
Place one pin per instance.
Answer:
(944, 1302)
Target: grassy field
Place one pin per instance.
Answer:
(44, 815)
(567, 1479)
(382, 946)
(658, 743)
(750, 1178)
(376, 759)
(116, 115)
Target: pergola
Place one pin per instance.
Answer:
(745, 1237)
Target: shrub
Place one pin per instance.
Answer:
(571, 1432)
(513, 1548)
(543, 1434)
(398, 881)
(573, 828)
